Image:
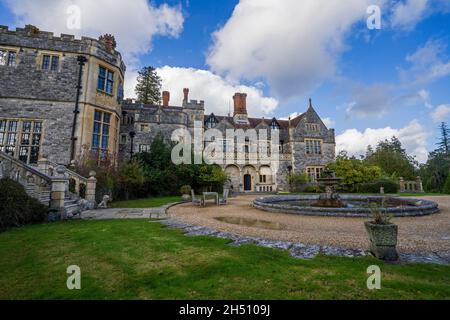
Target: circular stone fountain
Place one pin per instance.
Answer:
(332, 204)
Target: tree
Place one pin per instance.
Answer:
(393, 160)
(435, 173)
(446, 188)
(131, 177)
(354, 171)
(212, 176)
(444, 142)
(148, 88)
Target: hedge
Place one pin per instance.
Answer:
(374, 187)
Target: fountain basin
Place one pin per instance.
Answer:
(356, 206)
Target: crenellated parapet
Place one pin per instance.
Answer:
(32, 37)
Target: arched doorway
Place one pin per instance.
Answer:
(247, 182)
(249, 177)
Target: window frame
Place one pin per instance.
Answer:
(16, 137)
(101, 133)
(105, 81)
(313, 147)
(7, 57)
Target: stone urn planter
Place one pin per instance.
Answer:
(383, 240)
(185, 193)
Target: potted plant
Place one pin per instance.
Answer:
(186, 193)
(382, 234)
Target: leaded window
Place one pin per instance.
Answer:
(21, 139)
(46, 62)
(100, 135)
(105, 80)
(313, 147)
(314, 173)
(8, 58)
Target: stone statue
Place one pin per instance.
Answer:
(104, 203)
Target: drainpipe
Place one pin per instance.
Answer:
(81, 61)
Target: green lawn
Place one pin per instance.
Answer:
(140, 259)
(145, 203)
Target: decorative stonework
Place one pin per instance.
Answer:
(109, 41)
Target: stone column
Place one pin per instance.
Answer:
(402, 185)
(58, 190)
(43, 166)
(419, 185)
(90, 187)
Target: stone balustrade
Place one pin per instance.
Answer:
(48, 182)
(415, 186)
(80, 186)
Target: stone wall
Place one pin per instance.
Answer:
(27, 91)
(57, 116)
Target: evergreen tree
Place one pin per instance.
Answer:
(148, 88)
(444, 143)
(446, 188)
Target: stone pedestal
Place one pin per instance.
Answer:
(90, 187)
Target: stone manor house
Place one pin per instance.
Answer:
(61, 99)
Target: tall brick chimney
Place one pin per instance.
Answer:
(240, 103)
(186, 95)
(166, 98)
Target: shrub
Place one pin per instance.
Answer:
(185, 190)
(298, 181)
(17, 208)
(375, 186)
(313, 189)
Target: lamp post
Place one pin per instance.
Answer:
(81, 61)
(132, 135)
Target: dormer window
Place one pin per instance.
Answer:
(274, 125)
(211, 122)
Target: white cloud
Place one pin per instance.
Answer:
(216, 91)
(133, 23)
(413, 137)
(441, 113)
(428, 64)
(406, 14)
(292, 44)
(329, 123)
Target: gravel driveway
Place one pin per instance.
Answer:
(416, 234)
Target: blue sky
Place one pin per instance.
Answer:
(368, 84)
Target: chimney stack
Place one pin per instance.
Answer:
(186, 95)
(166, 98)
(240, 103)
(109, 41)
